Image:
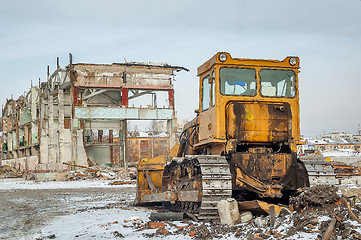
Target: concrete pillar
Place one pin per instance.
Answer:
(61, 108)
(80, 150)
(61, 139)
(52, 152)
(171, 129)
(123, 148)
(44, 140)
(111, 148)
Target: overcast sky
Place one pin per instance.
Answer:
(325, 34)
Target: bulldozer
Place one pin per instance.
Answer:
(241, 144)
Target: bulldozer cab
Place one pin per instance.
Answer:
(249, 101)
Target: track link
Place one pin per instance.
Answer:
(216, 184)
(319, 171)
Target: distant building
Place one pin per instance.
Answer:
(346, 136)
(332, 142)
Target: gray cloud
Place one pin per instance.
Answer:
(325, 34)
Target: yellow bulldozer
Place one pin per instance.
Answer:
(241, 144)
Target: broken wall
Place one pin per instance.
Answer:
(55, 121)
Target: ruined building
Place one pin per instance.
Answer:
(77, 113)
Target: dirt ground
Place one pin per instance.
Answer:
(25, 211)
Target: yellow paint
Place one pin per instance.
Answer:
(256, 113)
(249, 115)
(155, 168)
(259, 207)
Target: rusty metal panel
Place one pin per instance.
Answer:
(189, 196)
(258, 122)
(156, 197)
(122, 113)
(263, 166)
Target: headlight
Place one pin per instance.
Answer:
(293, 61)
(222, 57)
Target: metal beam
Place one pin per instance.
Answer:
(95, 93)
(140, 94)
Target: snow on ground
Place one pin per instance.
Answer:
(21, 184)
(340, 153)
(101, 224)
(119, 223)
(93, 215)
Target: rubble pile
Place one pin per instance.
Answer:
(318, 195)
(9, 172)
(318, 211)
(119, 174)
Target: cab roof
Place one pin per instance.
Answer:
(215, 60)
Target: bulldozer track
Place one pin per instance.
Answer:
(319, 171)
(216, 185)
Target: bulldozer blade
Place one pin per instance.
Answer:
(258, 207)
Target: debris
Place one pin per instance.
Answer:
(118, 234)
(161, 231)
(246, 217)
(121, 182)
(261, 222)
(175, 216)
(79, 166)
(352, 214)
(284, 212)
(191, 216)
(135, 218)
(121, 175)
(156, 225)
(342, 169)
(258, 207)
(329, 230)
(315, 196)
(51, 236)
(9, 172)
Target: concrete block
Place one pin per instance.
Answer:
(45, 176)
(246, 216)
(228, 211)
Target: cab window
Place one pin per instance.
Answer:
(278, 83)
(205, 93)
(238, 81)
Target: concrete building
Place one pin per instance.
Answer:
(330, 144)
(346, 136)
(76, 115)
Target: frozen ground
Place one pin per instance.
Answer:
(20, 184)
(93, 209)
(27, 206)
